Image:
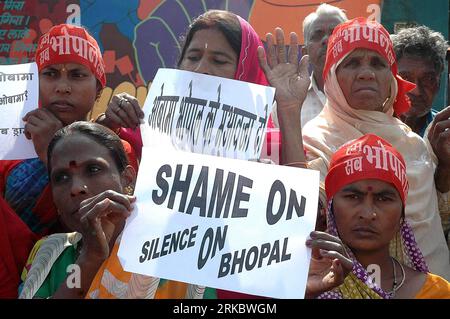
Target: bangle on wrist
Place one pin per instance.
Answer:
(102, 116)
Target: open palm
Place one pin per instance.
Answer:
(289, 76)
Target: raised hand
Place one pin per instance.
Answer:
(123, 111)
(40, 126)
(329, 264)
(439, 137)
(287, 75)
(102, 217)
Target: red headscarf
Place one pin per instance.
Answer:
(248, 68)
(368, 157)
(65, 43)
(361, 33)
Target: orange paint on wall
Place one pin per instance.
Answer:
(266, 15)
(146, 7)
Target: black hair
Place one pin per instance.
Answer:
(422, 42)
(98, 133)
(224, 21)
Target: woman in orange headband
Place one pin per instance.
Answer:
(71, 77)
(366, 189)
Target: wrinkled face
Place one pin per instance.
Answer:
(421, 72)
(68, 90)
(320, 31)
(81, 168)
(367, 214)
(365, 79)
(210, 53)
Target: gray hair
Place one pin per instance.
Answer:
(322, 10)
(421, 42)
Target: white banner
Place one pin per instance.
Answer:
(222, 223)
(206, 114)
(19, 94)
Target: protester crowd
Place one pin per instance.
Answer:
(363, 118)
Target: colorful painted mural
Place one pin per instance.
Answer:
(139, 36)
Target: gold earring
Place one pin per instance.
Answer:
(129, 190)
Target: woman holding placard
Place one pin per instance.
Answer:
(217, 43)
(92, 184)
(71, 78)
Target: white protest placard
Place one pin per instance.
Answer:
(19, 94)
(206, 114)
(222, 223)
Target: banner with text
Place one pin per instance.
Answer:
(206, 114)
(19, 94)
(222, 223)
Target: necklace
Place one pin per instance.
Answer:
(395, 285)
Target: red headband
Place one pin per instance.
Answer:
(369, 157)
(67, 43)
(360, 33)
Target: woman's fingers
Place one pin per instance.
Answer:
(322, 243)
(130, 106)
(137, 108)
(116, 111)
(346, 262)
(271, 51)
(319, 246)
(262, 60)
(441, 116)
(339, 273)
(281, 49)
(324, 236)
(89, 203)
(293, 48)
(113, 117)
(104, 208)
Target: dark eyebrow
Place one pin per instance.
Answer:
(383, 192)
(386, 192)
(90, 161)
(50, 68)
(221, 53)
(352, 189)
(78, 69)
(75, 69)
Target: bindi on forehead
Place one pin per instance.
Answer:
(73, 164)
